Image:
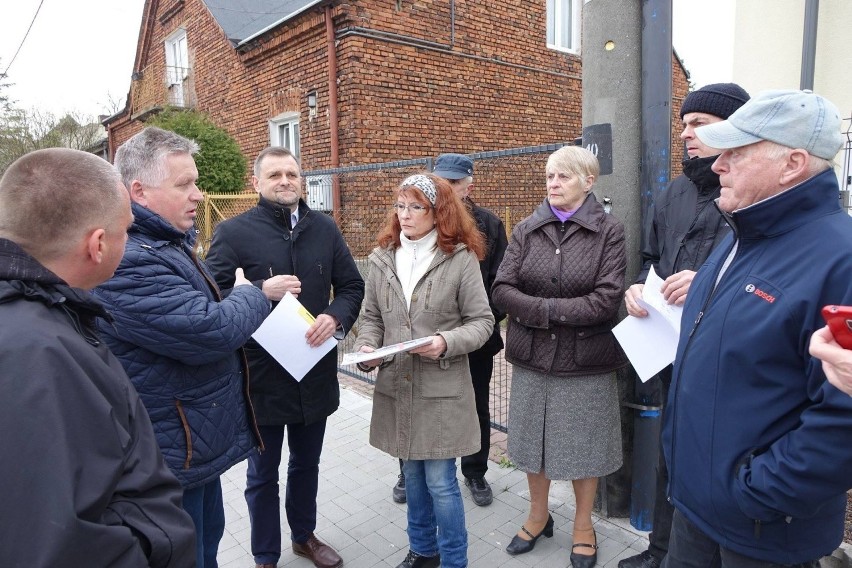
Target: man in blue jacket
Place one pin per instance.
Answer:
(284, 246)
(179, 341)
(756, 440)
(83, 482)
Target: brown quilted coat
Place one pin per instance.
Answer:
(561, 285)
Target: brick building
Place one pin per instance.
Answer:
(350, 82)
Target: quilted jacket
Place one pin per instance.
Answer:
(83, 482)
(182, 348)
(561, 284)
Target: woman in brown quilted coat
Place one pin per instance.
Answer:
(561, 283)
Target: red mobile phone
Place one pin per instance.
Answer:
(839, 320)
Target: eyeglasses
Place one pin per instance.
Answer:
(413, 208)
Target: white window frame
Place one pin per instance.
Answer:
(287, 122)
(557, 22)
(177, 66)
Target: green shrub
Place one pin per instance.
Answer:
(221, 164)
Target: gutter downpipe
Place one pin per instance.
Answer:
(332, 112)
(809, 40)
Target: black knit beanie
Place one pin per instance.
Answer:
(718, 99)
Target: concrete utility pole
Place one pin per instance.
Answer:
(627, 84)
(612, 37)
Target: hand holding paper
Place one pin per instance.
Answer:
(650, 342)
(284, 335)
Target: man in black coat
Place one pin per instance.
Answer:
(685, 227)
(458, 170)
(83, 481)
(283, 246)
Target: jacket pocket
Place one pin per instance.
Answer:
(595, 346)
(209, 424)
(443, 378)
(519, 341)
(387, 378)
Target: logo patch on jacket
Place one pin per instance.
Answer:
(752, 289)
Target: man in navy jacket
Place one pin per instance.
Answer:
(83, 482)
(284, 246)
(756, 440)
(179, 341)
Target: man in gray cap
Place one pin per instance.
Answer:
(684, 228)
(458, 170)
(755, 439)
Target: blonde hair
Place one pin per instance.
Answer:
(576, 160)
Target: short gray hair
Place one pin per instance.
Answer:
(143, 156)
(49, 198)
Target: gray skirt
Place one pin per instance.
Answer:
(567, 427)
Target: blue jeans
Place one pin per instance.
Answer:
(204, 505)
(435, 511)
(300, 500)
(691, 548)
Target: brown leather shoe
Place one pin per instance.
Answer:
(321, 554)
(270, 565)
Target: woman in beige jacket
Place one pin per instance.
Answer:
(424, 281)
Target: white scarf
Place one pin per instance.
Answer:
(412, 259)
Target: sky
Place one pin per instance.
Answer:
(79, 54)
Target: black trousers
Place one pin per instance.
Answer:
(481, 369)
(691, 548)
(663, 510)
(262, 483)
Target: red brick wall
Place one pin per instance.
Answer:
(680, 88)
(394, 101)
(496, 87)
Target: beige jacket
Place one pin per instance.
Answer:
(424, 408)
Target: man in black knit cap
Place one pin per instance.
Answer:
(685, 227)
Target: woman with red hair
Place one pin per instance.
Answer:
(424, 281)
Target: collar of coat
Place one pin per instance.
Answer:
(385, 257)
(803, 203)
(590, 215)
(699, 172)
(271, 207)
(22, 276)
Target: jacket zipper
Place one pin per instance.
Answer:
(697, 321)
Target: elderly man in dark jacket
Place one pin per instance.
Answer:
(685, 228)
(83, 483)
(179, 341)
(284, 246)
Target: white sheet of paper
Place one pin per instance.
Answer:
(357, 357)
(282, 334)
(651, 342)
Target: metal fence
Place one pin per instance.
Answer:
(509, 182)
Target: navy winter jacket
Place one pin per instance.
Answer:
(182, 348)
(757, 442)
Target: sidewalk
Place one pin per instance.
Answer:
(358, 518)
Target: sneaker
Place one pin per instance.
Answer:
(644, 560)
(479, 490)
(399, 489)
(414, 560)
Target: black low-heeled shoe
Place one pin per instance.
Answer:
(521, 546)
(583, 560)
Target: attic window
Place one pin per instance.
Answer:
(177, 67)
